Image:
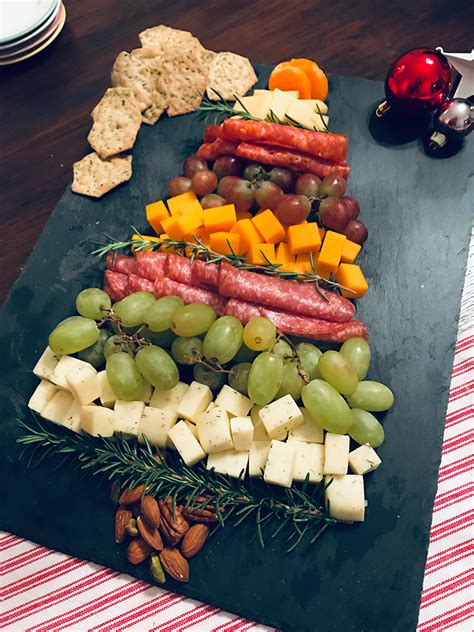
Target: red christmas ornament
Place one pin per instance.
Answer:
(417, 82)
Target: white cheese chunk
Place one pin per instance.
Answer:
(195, 401)
(45, 366)
(214, 430)
(364, 459)
(258, 456)
(336, 454)
(127, 417)
(193, 429)
(280, 463)
(231, 462)
(305, 112)
(83, 383)
(259, 432)
(64, 366)
(242, 432)
(57, 407)
(169, 400)
(72, 418)
(309, 431)
(97, 421)
(282, 414)
(155, 425)
(43, 393)
(280, 102)
(233, 402)
(309, 459)
(186, 443)
(258, 104)
(345, 498)
(107, 395)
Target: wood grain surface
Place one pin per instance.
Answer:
(45, 102)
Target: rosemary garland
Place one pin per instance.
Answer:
(299, 511)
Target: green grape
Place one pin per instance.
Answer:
(309, 355)
(265, 378)
(259, 334)
(124, 377)
(73, 335)
(205, 375)
(239, 377)
(357, 352)
(292, 381)
(244, 354)
(186, 350)
(372, 396)
(336, 370)
(327, 406)
(223, 340)
(366, 428)
(95, 353)
(158, 316)
(159, 338)
(92, 303)
(283, 349)
(192, 320)
(114, 344)
(132, 309)
(157, 367)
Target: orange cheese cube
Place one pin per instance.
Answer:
(221, 218)
(165, 237)
(303, 238)
(200, 233)
(184, 203)
(351, 276)
(330, 255)
(172, 228)
(225, 243)
(248, 234)
(243, 215)
(188, 223)
(136, 237)
(269, 226)
(283, 254)
(303, 262)
(155, 213)
(261, 254)
(350, 251)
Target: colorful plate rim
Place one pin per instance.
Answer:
(51, 28)
(31, 27)
(38, 31)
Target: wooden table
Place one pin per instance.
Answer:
(45, 102)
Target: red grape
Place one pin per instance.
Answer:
(178, 185)
(356, 231)
(227, 166)
(204, 182)
(333, 186)
(293, 209)
(352, 204)
(225, 185)
(308, 185)
(241, 195)
(254, 171)
(192, 165)
(284, 178)
(211, 200)
(268, 195)
(334, 213)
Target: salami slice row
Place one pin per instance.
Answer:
(139, 284)
(217, 148)
(189, 294)
(116, 285)
(121, 263)
(151, 265)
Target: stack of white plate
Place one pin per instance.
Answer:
(27, 27)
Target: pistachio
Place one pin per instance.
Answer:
(132, 528)
(156, 570)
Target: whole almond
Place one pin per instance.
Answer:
(150, 511)
(122, 518)
(150, 534)
(130, 496)
(194, 540)
(174, 564)
(138, 550)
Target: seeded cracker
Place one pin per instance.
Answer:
(117, 119)
(130, 72)
(95, 177)
(230, 75)
(185, 80)
(150, 57)
(162, 37)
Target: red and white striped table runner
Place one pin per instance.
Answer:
(43, 590)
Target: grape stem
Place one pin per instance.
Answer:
(299, 365)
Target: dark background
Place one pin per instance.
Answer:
(45, 102)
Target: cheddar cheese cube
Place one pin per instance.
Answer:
(303, 238)
(248, 234)
(184, 203)
(221, 218)
(136, 237)
(330, 255)
(350, 251)
(188, 223)
(351, 276)
(269, 226)
(283, 253)
(172, 228)
(303, 262)
(225, 243)
(261, 254)
(155, 213)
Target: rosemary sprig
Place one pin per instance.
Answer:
(296, 510)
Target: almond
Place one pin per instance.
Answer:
(130, 496)
(174, 564)
(138, 550)
(194, 540)
(122, 518)
(150, 534)
(150, 511)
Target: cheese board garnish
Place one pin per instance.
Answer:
(297, 509)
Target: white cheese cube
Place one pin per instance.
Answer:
(280, 102)
(63, 367)
(258, 456)
(107, 395)
(155, 425)
(97, 421)
(231, 462)
(336, 453)
(214, 430)
(280, 463)
(242, 432)
(127, 417)
(259, 432)
(345, 498)
(309, 431)
(45, 366)
(211, 406)
(57, 407)
(186, 443)
(282, 414)
(364, 459)
(83, 383)
(309, 459)
(146, 393)
(233, 402)
(193, 429)
(43, 393)
(169, 400)
(72, 418)
(195, 401)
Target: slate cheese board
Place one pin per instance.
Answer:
(361, 578)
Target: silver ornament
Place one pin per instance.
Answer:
(454, 120)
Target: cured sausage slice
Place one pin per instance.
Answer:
(121, 263)
(139, 284)
(205, 275)
(216, 149)
(151, 265)
(116, 285)
(179, 269)
(166, 287)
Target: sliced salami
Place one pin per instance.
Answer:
(299, 298)
(139, 284)
(242, 310)
(211, 133)
(166, 287)
(179, 269)
(121, 263)
(151, 265)
(216, 149)
(205, 275)
(116, 285)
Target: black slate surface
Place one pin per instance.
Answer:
(363, 578)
